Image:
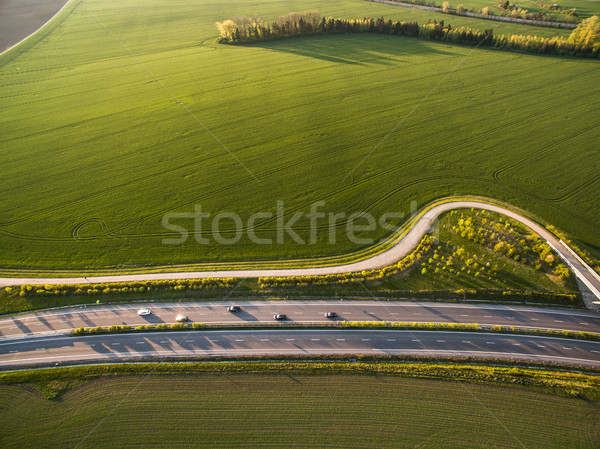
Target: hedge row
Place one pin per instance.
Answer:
(120, 288)
(350, 278)
(241, 30)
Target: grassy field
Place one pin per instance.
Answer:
(98, 142)
(294, 410)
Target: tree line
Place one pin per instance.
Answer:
(583, 42)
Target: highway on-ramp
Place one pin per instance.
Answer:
(46, 351)
(402, 248)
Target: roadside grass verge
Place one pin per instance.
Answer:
(556, 379)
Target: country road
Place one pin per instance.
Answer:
(155, 346)
(584, 273)
(62, 321)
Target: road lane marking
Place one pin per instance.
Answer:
(164, 341)
(40, 349)
(416, 340)
(264, 339)
(540, 346)
(115, 344)
(564, 347)
(441, 341)
(391, 339)
(365, 339)
(239, 339)
(13, 351)
(534, 319)
(491, 342)
(212, 341)
(558, 321)
(340, 339)
(289, 339)
(516, 344)
(465, 341)
(189, 341)
(487, 316)
(315, 339)
(464, 315)
(139, 342)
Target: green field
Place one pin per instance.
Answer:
(98, 139)
(294, 410)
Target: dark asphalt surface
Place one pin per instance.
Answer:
(151, 346)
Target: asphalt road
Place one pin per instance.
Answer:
(403, 247)
(151, 346)
(64, 320)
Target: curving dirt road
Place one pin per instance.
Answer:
(583, 272)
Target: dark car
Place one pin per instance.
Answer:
(330, 315)
(280, 316)
(233, 309)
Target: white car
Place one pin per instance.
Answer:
(144, 312)
(181, 318)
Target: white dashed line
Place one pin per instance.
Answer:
(264, 339)
(416, 340)
(441, 341)
(239, 340)
(516, 344)
(569, 349)
(465, 341)
(391, 339)
(289, 339)
(340, 339)
(139, 342)
(464, 315)
(13, 351)
(534, 319)
(189, 341)
(164, 341)
(490, 342)
(115, 344)
(540, 346)
(365, 339)
(558, 321)
(315, 339)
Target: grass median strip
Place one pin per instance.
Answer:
(459, 327)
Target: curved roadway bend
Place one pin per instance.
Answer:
(589, 277)
(61, 321)
(111, 348)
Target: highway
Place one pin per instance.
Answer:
(45, 351)
(39, 339)
(399, 250)
(309, 311)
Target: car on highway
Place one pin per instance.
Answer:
(280, 316)
(233, 309)
(330, 315)
(144, 312)
(181, 318)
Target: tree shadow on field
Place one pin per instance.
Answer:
(356, 48)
